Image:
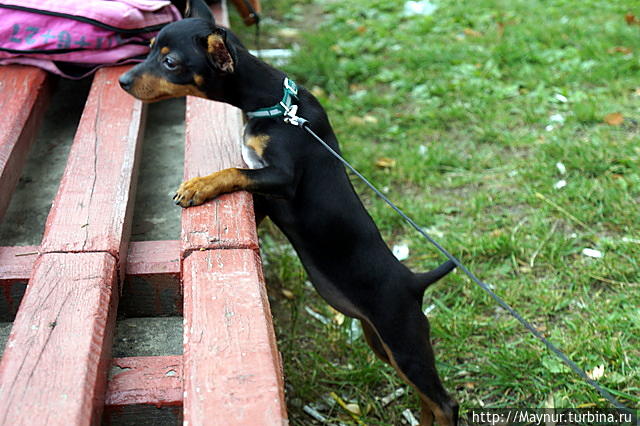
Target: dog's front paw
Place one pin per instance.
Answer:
(194, 192)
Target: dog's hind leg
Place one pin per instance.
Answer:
(374, 342)
(404, 336)
(378, 348)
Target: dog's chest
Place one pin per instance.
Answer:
(253, 150)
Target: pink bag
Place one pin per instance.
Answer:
(73, 38)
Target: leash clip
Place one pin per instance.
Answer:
(290, 86)
(290, 116)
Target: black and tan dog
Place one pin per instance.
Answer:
(304, 190)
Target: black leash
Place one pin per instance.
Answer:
(291, 118)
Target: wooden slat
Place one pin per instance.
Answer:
(53, 370)
(231, 363)
(143, 258)
(153, 258)
(213, 142)
(16, 262)
(55, 362)
(24, 94)
(15, 267)
(232, 368)
(153, 380)
(152, 283)
(93, 205)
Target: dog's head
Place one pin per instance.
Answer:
(188, 57)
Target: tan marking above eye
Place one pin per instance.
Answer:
(198, 79)
(165, 50)
(258, 143)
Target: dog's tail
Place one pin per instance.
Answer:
(424, 280)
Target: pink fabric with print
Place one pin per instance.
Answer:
(54, 34)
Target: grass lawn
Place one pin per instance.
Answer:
(510, 131)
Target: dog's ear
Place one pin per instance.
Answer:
(218, 52)
(198, 9)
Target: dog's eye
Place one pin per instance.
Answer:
(170, 63)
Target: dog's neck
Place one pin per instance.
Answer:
(254, 84)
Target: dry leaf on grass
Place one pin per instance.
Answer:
(631, 19)
(385, 163)
(370, 119)
(620, 49)
(614, 119)
(318, 91)
(472, 33)
(353, 408)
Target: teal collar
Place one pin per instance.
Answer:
(278, 110)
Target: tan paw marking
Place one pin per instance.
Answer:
(194, 192)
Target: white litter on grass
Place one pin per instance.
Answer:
(630, 240)
(408, 416)
(560, 184)
(355, 331)
(401, 251)
(386, 400)
(557, 118)
(596, 373)
(592, 253)
(422, 150)
(423, 8)
(429, 308)
(561, 168)
(434, 231)
(554, 119)
(315, 414)
(560, 98)
(317, 316)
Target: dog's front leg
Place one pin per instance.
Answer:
(269, 181)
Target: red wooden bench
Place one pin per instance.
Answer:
(56, 363)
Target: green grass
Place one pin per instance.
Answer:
(464, 114)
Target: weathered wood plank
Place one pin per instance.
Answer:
(92, 209)
(153, 258)
(154, 380)
(232, 367)
(151, 287)
(143, 258)
(16, 262)
(15, 268)
(213, 142)
(152, 280)
(55, 361)
(24, 94)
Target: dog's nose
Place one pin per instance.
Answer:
(126, 81)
